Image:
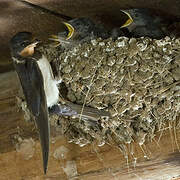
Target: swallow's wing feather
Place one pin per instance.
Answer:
(33, 88)
(88, 112)
(32, 83)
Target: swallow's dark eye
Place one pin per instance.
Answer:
(23, 44)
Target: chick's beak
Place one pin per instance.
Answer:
(70, 30)
(56, 40)
(61, 37)
(128, 21)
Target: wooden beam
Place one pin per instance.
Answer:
(92, 162)
(11, 119)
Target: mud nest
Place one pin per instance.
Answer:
(136, 80)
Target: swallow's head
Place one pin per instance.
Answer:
(23, 44)
(75, 29)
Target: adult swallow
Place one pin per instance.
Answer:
(140, 22)
(39, 85)
(41, 89)
(33, 71)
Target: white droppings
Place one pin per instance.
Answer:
(85, 54)
(102, 44)
(121, 44)
(65, 59)
(141, 46)
(70, 169)
(26, 148)
(61, 152)
(94, 42)
(101, 143)
(162, 42)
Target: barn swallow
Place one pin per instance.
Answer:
(41, 89)
(80, 30)
(141, 22)
(29, 65)
(39, 86)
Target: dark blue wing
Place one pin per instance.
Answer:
(33, 87)
(32, 84)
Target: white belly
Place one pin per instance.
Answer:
(50, 84)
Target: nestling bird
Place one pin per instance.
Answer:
(80, 30)
(141, 22)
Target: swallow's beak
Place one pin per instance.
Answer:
(29, 50)
(128, 21)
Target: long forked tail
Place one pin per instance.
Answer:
(42, 122)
